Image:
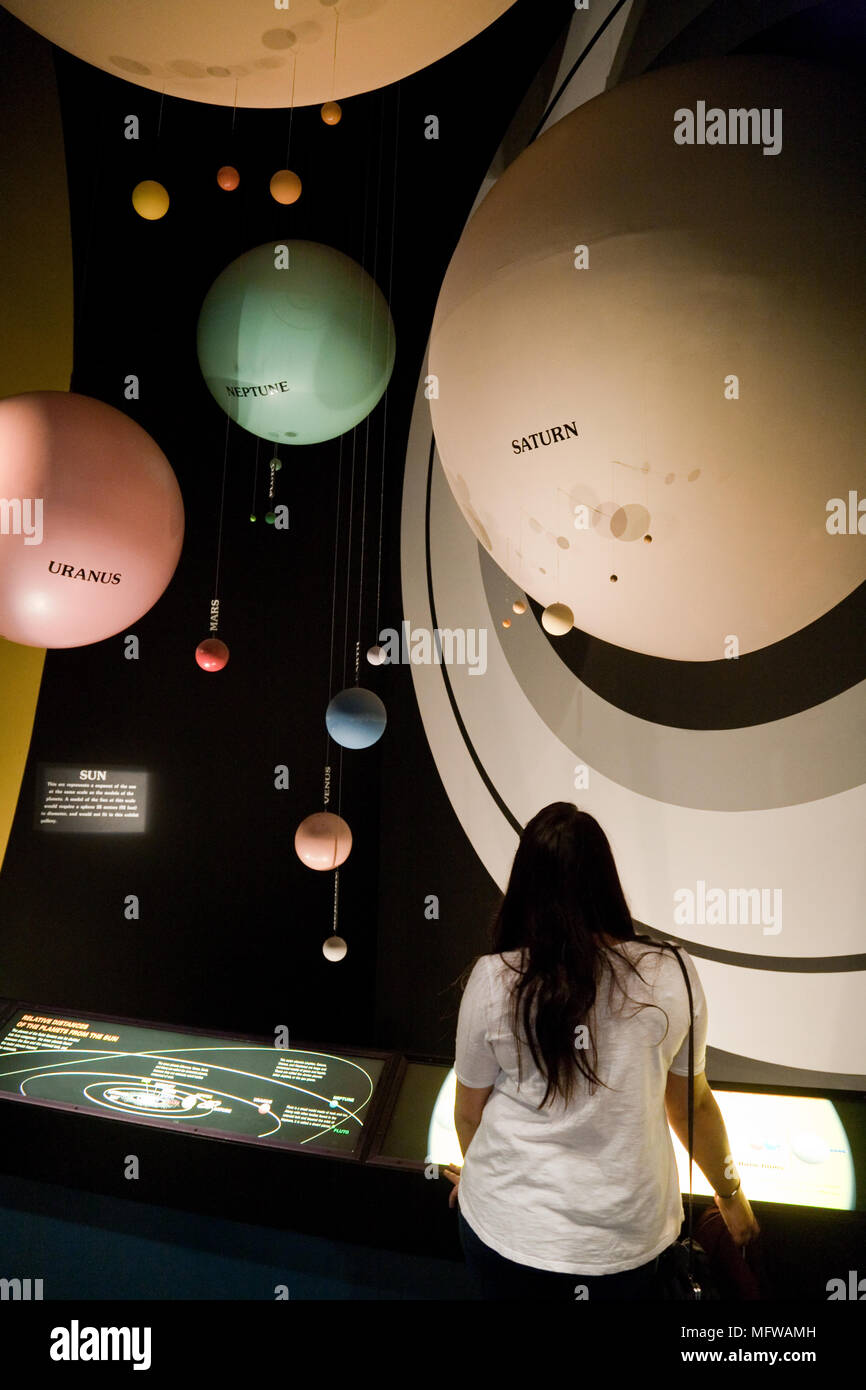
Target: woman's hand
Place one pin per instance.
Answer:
(452, 1173)
(738, 1217)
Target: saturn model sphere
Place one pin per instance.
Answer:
(630, 341)
(93, 521)
(323, 841)
(296, 342)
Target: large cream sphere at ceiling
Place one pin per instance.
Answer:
(227, 51)
(706, 262)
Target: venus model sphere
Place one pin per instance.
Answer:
(295, 342)
(323, 841)
(331, 113)
(356, 718)
(98, 523)
(212, 654)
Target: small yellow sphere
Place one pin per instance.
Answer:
(331, 112)
(557, 619)
(150, 200)
(518, 606)
(285, 186)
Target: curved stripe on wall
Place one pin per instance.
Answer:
(36, 295)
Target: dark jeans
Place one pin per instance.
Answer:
(499, 1278)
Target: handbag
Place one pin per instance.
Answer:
(683, 1270)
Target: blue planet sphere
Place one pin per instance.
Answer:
(356, 718)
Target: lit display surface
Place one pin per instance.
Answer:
(218, 1086)
(788, 1149)
(73, 800)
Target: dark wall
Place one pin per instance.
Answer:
(231, 922)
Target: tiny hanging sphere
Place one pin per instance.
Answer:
(228, 177)
(323, 841)
(376, 655)
(285, 186)
(518, 606)
(270, 518)
(356, 718)
(212, 654)
(557, 619)
(506, 622)
(276, 464)
(150, 200)
(331, 112)
(252, 516)
(334, 948)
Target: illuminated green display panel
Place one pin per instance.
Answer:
(219, 1086)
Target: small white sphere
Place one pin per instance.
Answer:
(376, 655)
(518, 606)
(334, 948)
(557, 619)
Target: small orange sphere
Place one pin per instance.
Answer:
(285, 186)
(228, 177)
(506, 622)
(331, 112)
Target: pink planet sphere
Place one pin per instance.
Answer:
(211, 654)
(323, 841)
(91, 524)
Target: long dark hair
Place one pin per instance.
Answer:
(563, 894)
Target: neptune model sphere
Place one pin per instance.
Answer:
(356, 718)
(296, 342)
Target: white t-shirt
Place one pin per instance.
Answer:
(591, 1187)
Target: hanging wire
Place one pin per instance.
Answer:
(369, 359)
(222, 508)
(334, 586)
(385, 402)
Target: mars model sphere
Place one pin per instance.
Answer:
(212, 654)
(356, 718)
(323, 841)
(93, 520)
(228, 177)
(629, 341)
(296, 342)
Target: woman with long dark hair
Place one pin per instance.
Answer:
(571, 1059)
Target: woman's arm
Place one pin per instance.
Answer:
(469, 1104)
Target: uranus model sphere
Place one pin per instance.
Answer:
(296, 342)
(630, 342)
(96, 520)
(356, 718)
(323, 841)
